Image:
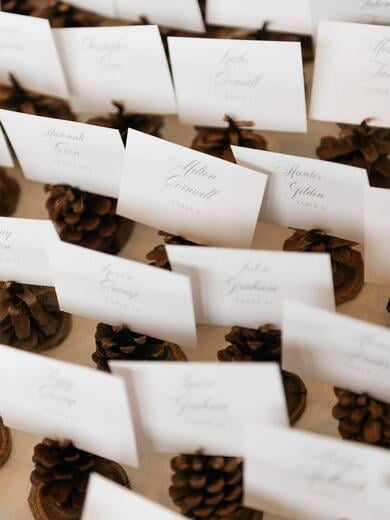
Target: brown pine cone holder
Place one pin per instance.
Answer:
(5, 443)
(9, 194)
(347, 263)
(158, 256)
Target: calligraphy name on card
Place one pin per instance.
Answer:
(189, 193)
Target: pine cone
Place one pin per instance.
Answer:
(158, 256)
(209, 487)
(265, 344)
(362, 418)
(388, 306)
(17, 6)
(122, 121)
(362, 146)
(217, 141)
(9, 194)
(30, 318)
(5, 443)
(87, 219)
(115, 343)
(15, 97)
(347, 264)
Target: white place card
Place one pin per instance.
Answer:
(125, 64)
(358, 55)
(258, 81)
(246, 287)
(23, 255)
(89, 157)
(186, 407)
(5, 153)
(308, 476)
(116, 291)
(103, 7)
(308, 193)
(106, 499)
(336, 349)
(64, 401)
(179, 14)
(27, 50)
(189, 193)
(377, 236)
(254, 13)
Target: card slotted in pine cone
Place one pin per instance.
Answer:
(158, 256)
(9, 194)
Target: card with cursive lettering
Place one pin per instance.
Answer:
(123, 64)
(5, 153)
(106, 499)
(358, 55)
(123, 292)
(28, 51)
(179, 14)
(23, 255)
(189, 193)
(186, 407)
(255, 81)
(254, 13)
(308, 193)
(246, 287)
(336, 349)
(64, 401)
(321, 477)
(103, 7)
(377, 235)
(88, 157)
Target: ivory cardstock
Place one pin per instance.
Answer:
(185, 407)
(64, 401)
(28, 51)
(5, 153)
(308, 193)
(377, 236)
(254, 13)
(116, 291)
(358, 55)
(88, 157)
(106, 499)
(321, 477)
(23, 255)
(179, 14)
(189, 193)
(123, 64)
(246, 287)
(337, 350)
(258, 81)
(103, 7)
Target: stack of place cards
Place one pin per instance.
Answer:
(246, 288)
(28, 51)
(188, 193)
(258, 81)
(115, 291)
(307, 476)
(64, 401)
(5, 153)
(88, 157)
(125, 64)
(356, 56)
(187, 407)
(105, 499)
(308, 193)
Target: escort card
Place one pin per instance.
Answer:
(106, 499)
(5, 153)
(125, 64)
(179, 14)
(23, 255)
(186, 407)
(89, 157)
(116, 291)
(254, 13)
(103, 7)
(320, 477)
(246, 288)
(358, 56)
(307, 193)
(27, 50)
(258, 81)
(64, 401)
(189, 193)
(336, 349)
(377, 236)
